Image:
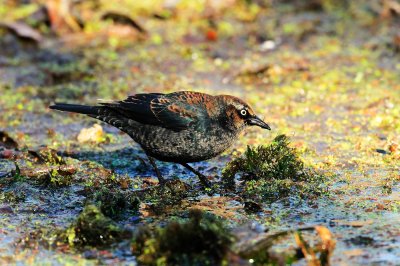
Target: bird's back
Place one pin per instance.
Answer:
(203, 137)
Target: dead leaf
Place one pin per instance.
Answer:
(211, 35)
(92, 134)
(253, 70)
(38, 172)
(61, 20)
(23, 30)
(124, 20)
(389, 6)
(353, 252)
(327, 246)
(307, 251)
(353, 223)
(393, 147)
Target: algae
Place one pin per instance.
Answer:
(113, 202)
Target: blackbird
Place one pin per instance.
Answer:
(180, 127)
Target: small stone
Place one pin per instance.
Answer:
(252, 207)
(7, 154)
(6, 209)
(7, 168)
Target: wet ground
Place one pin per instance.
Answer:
(329, 84)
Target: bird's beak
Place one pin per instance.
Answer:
(256, 121)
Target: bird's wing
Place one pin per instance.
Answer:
(176, 111)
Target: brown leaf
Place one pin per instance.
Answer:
(393, 147)
(353, 223)
(254, 70)
(93, 134)
(22, 30)
(61, 19)
(328, 244)
(353, 252)
(64, 170)
(123, 19)
(307, 251)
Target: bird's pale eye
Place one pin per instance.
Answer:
(243, 112)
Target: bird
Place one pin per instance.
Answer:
(180, 127)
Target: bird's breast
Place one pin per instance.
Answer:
(190, 145)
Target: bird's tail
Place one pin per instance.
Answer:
(76, 108)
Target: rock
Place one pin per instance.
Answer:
(7, 168)
(6, 209)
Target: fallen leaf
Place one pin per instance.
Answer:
(60, 17)
(211, 35)
(393, 147)
(353, 223)
(353, 252)
(123, 19)
(327, 246)
(92, 134)
(22, 30)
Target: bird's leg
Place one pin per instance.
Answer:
(202, 178)
(161, 179)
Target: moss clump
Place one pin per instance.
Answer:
(274, 172)
(113, 202)
(166, 196)
(202, 240)
(12, 197)
(92, 228)
(45, 155)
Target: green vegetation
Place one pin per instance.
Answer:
(12, 196)
(161, 198)
(92, 228)
(274, 172)
(202, 240)
(113, 202)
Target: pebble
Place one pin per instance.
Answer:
(7, 168)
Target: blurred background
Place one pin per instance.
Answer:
(294, 61)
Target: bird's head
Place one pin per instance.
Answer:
(239, 114)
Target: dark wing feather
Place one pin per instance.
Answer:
(170, 111)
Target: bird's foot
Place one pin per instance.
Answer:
(209, 189)
(161, 179)
(203, 179)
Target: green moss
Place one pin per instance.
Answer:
(92, 228)
(113, 202)
(170, 194)
(274, 172)
(202, 240)
(12, 197)
(46, 155)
